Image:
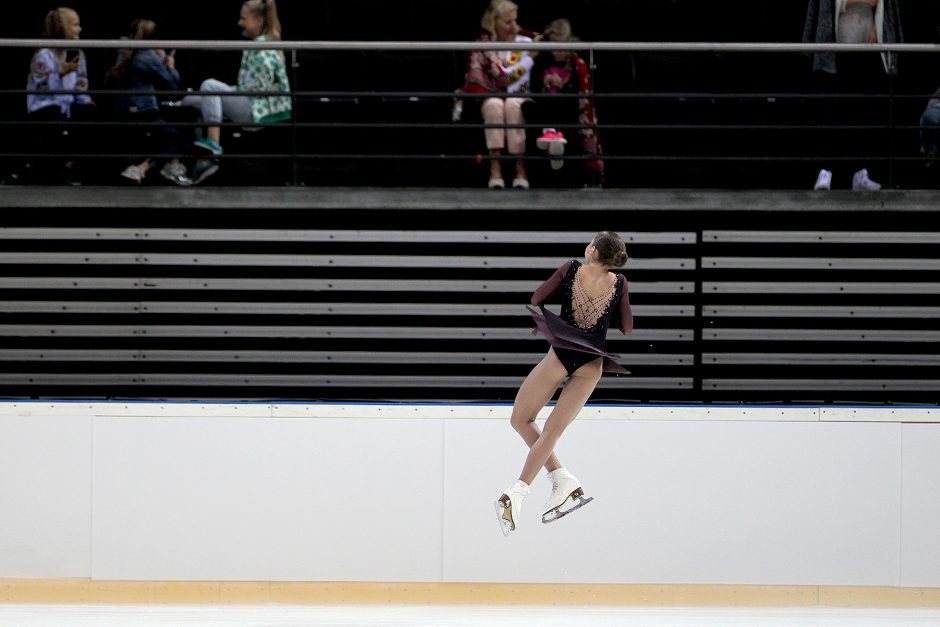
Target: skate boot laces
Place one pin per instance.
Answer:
(567, 496)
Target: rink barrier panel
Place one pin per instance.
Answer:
(742, 495)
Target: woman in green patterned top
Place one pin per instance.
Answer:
(261, 71)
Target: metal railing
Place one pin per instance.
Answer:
(650, 135)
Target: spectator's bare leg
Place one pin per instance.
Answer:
(496, 166)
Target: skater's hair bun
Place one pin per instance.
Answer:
(611, 251)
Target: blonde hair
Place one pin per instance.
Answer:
(560, 28)
(496, 8)
(266, 9)
(54, 26)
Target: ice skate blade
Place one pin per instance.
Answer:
(504, 516)
(554, 514)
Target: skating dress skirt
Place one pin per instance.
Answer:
(579, 334)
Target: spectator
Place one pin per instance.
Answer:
(565, 72)
(145, 70)
(59, 70)
(502, 72)
(929, 126)
(853, 22)
(260, 71)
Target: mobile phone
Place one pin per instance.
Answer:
(71, 54)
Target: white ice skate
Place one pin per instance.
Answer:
(509, 506)
(566, 497)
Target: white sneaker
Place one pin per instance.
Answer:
(175, 172)
(509, 506)
(823, 180)
(567, 495)
(134, 173)
(860, 181)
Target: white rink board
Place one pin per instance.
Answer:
(686, 502)
(267, 499)
(45, 495)
(920, 507)
(373, 492)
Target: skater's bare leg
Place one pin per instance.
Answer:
(572, 399)
(537, 389)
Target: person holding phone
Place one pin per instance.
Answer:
(138, 73)
(59, 70)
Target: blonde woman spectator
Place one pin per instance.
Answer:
(502, 72)
(260, 71)
(51, 72)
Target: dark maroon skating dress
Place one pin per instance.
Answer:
(577, 344)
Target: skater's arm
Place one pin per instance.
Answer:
(625, 312)
(547, 289)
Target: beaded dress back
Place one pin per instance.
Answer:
(585, 309)
(586, 312)
(578, 333)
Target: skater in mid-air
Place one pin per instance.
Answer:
(592, 299)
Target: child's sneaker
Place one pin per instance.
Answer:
(554, 142)
(203, 170)
(209, 145)
(860, 181)
(550, 135)
(823, 180)
(176, 173)
(134, 173)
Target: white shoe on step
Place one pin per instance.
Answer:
(823, 180)
(861, 182)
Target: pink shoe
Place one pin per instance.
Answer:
(554, 142)
(549, 136)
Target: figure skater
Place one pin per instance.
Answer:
(592, 299)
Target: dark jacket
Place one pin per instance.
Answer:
(145, 73)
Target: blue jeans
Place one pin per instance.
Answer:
(929, 126)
